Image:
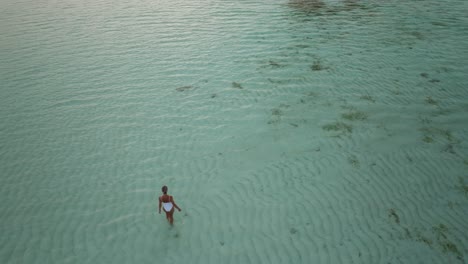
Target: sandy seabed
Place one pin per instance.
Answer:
(288, 132)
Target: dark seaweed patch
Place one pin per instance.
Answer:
(184, 88)
(355, 115)
(353, 160)
(392, 214)
(368, 98)
(237, 85)
(462, 186)
(338, 127)
(317, 65)
(431, 101)
(293, 230)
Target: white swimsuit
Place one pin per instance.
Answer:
(167, 206)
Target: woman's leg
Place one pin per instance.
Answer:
(167, 215)
(170, 217)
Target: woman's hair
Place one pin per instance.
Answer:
(164, 189)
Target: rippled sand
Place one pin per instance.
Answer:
(288, 132)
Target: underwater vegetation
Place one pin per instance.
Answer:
(275, 64)
(393, 215)
(421, 238)
(317, 6)
(425, 75)
(462, 186)
(237, 85)
(425, 120)
(452, 205)
(396, 91)
(429, 133)
(317, 65)
(184, 88)
(431, 101)
(436, 238)
(272, 64)
(428, 139)
(307, 5)
(338, 127)
(353, 160)
(438, 23)
(417, 35)
(449, 148)
(441, 232)
(293, 230)
(276, 114)
(448, 246)
(279, 81)
(367, 98)
(308, 97)
(355, 115)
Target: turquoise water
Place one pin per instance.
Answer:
(288, 132)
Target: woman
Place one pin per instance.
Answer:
(168, 204)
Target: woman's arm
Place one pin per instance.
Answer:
(175, 205)
(159, 204)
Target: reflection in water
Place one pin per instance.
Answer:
(318, 6)
(307, 5)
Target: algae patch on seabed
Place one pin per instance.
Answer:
(276, 114)
(428, 139)
(353, 160)
(430, 133)
(308, 6)
(393, 215)
(462, 186)
(448, 246)
(417, 236)
(310, 96)
(338, 127)
(431, 101)
(441, 232)
(317, 65)
(437, 238)
(293, 230)
(368, 98)
(318, 7)
(237, 85)
(184, 88)
(421, 238)
(355, 115)
(275, 64)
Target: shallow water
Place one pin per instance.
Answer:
(288, 132)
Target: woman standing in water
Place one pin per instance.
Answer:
(168, 205)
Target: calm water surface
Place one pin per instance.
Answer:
(289, 132)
